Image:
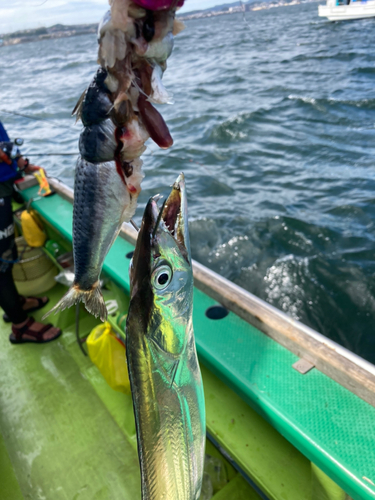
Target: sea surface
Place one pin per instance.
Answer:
(274, 127)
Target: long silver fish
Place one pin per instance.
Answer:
(162, 361)
(102, 202)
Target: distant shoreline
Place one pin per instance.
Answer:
(62, 31)
(57, 31)
(247, 7)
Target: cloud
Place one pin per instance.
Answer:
(26, 14)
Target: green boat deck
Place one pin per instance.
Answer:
(66, 435)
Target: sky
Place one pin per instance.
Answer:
(25, 14)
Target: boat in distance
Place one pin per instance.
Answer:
(337, 10)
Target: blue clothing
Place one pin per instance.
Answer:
(7, 172)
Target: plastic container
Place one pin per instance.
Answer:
(34, 273)
(54, 248)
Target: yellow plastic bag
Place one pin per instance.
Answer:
(107, 352)
(32, 232)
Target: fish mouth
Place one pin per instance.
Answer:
(158, 226)
(172, 217)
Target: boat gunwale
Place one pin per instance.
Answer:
(348, 369)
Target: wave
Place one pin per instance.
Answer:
(236, 128)
(332, 101)
(274, 130)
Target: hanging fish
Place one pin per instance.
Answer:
(118, 118)
(162, 361)
(103, 200)
(134, 45)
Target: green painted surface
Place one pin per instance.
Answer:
(271, 462)
(237, 489)
(64, 433)
(9, 487)
(323, 488)
(214, 452)
(328, 424)
(62, 441)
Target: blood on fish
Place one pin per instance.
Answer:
(118, 135)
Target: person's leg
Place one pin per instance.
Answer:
(32, 331)
(23, 328)
(10, 301)
(29, 305)
(11, 304)
(8, 249)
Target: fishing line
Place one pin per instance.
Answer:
(243, 15)
(69, 127)
(51, 154)
(50, 122)
(10, 261)
(180, 158)
(78, 338)
(134, 225)
(175, 157)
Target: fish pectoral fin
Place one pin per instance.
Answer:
(78, 107)
(173, 371)
(164, 362)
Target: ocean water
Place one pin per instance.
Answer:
(274, 127)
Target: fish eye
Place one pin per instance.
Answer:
(161, 277)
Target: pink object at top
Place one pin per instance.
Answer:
(159, 4)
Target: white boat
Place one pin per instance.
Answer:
(336, 10)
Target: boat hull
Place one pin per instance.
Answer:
(347, 12)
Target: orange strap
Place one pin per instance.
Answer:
(5, 158)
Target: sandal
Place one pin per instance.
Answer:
(40, 305)
(16, 337)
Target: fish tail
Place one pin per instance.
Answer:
(93, 300)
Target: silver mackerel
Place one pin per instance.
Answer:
(102, 203)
